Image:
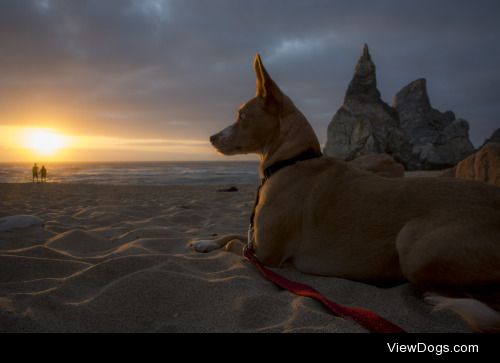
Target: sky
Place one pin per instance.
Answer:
(153, 79)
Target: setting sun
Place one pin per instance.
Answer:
(43, 142)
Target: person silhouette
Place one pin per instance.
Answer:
(35, 172)
(43, 174)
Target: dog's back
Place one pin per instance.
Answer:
(361, 226)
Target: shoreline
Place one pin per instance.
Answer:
(217, 185)
(408, 174)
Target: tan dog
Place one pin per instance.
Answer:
(327, 218)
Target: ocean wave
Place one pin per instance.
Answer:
(167, 173)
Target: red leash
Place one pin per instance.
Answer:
(368, 319)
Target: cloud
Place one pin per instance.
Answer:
(180, 68)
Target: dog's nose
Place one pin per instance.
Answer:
(213, 138)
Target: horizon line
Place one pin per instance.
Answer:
(129, 161)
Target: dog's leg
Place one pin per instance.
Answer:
(207, 245)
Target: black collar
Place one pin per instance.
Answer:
(274, 168)
(277, 166)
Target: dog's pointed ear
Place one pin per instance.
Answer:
(266, 87)
(261, 74)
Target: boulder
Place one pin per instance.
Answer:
(380, 164)
(365, 124)
(482, 166)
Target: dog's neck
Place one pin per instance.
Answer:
(295, 139)
(303, 156)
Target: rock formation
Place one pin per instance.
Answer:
(438, 140)
(365, 124)
(495, 137)
(412, 132)
(481, 166)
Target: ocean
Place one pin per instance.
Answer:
(138, 173)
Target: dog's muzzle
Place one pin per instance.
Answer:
(213, 139)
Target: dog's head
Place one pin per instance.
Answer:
(269, 124)
(258, 120)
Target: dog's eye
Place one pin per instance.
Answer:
(243, 120)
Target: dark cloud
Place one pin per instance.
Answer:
(179, 68)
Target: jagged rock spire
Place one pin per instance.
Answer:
(366, 52)
(363, 86)
(365, 124)
(417, 118)
(417, 91)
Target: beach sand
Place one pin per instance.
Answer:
(114, 259)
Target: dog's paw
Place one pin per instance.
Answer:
(204, 245)
(235, 246)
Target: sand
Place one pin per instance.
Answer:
(114, 259)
